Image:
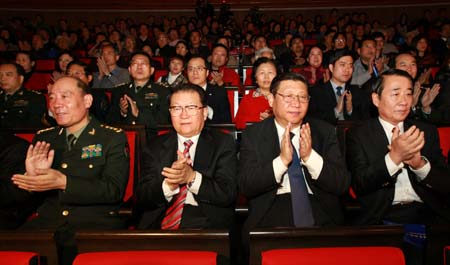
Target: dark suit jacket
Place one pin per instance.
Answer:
(97, 174)
(217, 99)
(215, 159)
(323, 101)
(366, 149)
(15, 204)
(260, 146)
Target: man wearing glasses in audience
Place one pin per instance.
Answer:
(141, 101)
(188, 175)
(216, 96)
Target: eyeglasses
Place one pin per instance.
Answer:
(191, 110)
(196, 69)
(290, 98)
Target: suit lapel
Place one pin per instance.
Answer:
(378, 139)
(330, 93)
(171, 144)
(204, 151)
(271, 142)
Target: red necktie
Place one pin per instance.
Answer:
(172, 219)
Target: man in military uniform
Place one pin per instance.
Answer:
(141, 101)
(81, 166)
(19, 107)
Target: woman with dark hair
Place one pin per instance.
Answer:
(314, 72)
(28, 62)
(182, 49)
(61, 62)
(254, 106)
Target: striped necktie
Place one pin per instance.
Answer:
(172, 220)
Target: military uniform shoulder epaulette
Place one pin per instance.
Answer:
(115, 129)
(46, 130)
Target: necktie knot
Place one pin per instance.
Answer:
(71, 140)
(138, 88)
(339, 91)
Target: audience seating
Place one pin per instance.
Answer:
(274, 43)
(39, 81)
(444, 139)
(86, 60)
(147, 257)
(160, 59)
(248, 76)
(19, 258)
(45, 65)
(159, 73)
(268, 239)
(34, 242)
(233, 100)
(334, 256)
(126, 240)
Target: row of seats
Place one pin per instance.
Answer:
(277, 246)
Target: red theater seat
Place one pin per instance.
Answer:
(39, 81)
(18, 258)
(444, 138)
(132, 138)
(150, 257)
(45, 65)
(334, 256)
(159, 73)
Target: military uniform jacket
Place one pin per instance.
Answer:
(152, 101)
(23, 109)
(97, 174)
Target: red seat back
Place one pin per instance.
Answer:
(26, 136)
(334, 256)
(159, 73)
(248, 77)
(447, 255)
(160, 59)
(444, 139)
(18, 258)
(132, 137)
(153, 257)
(45, 65)
(39, 81)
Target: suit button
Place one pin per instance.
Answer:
(91, 166)
(112, 213)
(65, 213)
(134, 123)
(64, 165)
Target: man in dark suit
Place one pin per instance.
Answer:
(337, 99)
(396, 163)
(216, 96)
(142, 101)
(266, 158)
(398, 171)
(192, 168)
(81, 167)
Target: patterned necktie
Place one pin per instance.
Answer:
(301, 207)
(172, 220)
(71, 141)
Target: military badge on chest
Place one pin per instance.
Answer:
(90, 151)
(151, 99)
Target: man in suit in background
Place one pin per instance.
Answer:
(80, 167)
(337, 99)
(398, 171)
(216, 96)
(188, 175)
(267, 160)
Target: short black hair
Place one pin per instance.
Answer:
(143, 54)
(377, 35)
(338, 54)
(275, 85)
(377, 85)
(85, 67)
(219, 45)
(190, 88)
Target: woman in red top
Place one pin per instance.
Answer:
(314, 72)
(254, 107)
